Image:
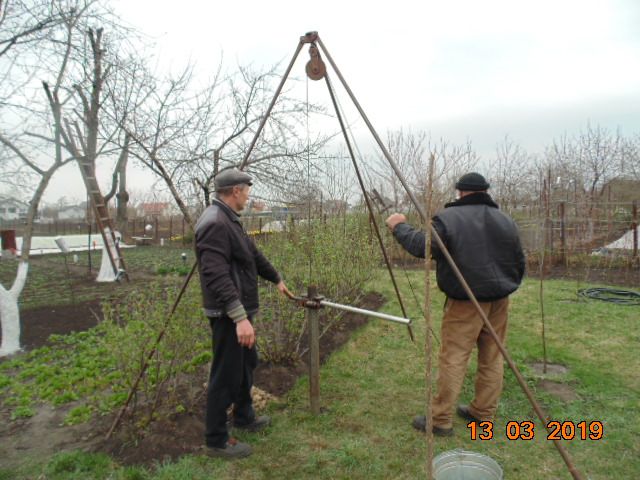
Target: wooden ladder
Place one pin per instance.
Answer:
(103, 220)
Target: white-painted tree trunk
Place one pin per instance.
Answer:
(107, 274)
(9, 312)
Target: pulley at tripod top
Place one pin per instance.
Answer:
(315, 68)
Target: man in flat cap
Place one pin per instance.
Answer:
(485, 246)
(229, 264)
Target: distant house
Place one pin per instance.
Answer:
(72, 212)
(154, 209)
(12, 209)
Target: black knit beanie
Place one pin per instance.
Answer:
(472, 182)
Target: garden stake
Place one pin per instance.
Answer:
(134, 387)
(428, 344)
(313, 37)
(544, 342)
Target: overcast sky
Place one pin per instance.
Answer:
(460, 70)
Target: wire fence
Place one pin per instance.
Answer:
(560, 230)
(563, 230)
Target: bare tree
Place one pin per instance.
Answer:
(26, 23)
(32, 136)
(407, 149)
(30, 158)
(186, 135)
(451, 162)
(599, 157)
(411, 152)
(509, 174)
(631, 158)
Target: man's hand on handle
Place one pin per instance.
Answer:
(282, 288)
(393, 220)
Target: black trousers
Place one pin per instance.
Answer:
(230, 382)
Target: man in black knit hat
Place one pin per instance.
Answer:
(485, 246)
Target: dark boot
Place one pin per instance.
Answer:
(463, 412)
(232, 449)
(259, 423)
(420, 423)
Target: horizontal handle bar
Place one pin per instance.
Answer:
(383, 316)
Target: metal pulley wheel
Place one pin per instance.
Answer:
(315, 68)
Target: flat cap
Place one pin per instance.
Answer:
(472, 182)
(231, 177)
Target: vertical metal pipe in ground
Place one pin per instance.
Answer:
(314, 352)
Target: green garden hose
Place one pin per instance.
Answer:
(619, 297)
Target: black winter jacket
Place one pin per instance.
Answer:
(483, 242)
(229, 263)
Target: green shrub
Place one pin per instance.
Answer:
(132, 329)
(338, 256)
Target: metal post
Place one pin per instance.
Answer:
(634, 225)
(89, 245)
(314, 352)
(563, 238)
(608, 207)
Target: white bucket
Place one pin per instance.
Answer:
(462, 464)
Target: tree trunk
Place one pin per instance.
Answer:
(10, 313)
(122, 198)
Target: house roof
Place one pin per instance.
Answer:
(154, 207)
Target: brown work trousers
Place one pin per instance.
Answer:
(462, 328)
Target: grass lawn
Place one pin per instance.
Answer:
(372, 387)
